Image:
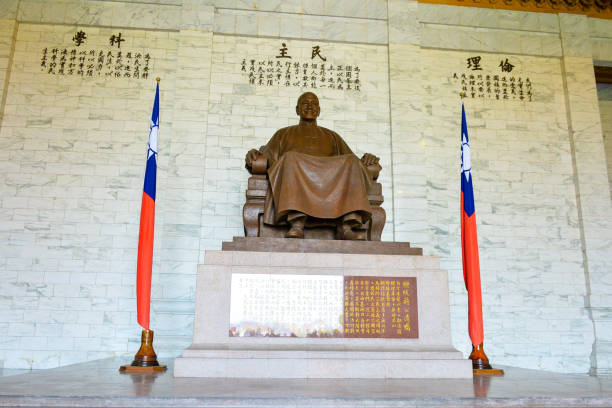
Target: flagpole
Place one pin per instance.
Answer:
(470, 261)
(145, 360)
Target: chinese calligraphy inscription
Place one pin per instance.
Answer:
(380, 307)
(479, 83)
(116, 40)
(95, 63)
(311, 75)
(285, 71)
(78, 61)
(79, 38)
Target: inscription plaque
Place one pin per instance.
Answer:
(286, 306)
(323, 306)
(380, 307)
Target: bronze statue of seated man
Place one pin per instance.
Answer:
(313, 174)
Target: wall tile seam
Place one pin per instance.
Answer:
(486, 29)
(598, 38)
(481, 50)
(287, 13)
(107, 27)
(299, 39)
(167, 9)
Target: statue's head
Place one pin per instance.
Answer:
(308, 106)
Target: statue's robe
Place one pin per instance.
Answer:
(314, 172)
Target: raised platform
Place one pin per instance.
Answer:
(259, 244)
(318, 362)
(100, 384)
(214, 353)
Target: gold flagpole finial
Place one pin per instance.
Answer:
(462, 95)
(158, 79)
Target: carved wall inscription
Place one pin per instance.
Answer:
(380, 307)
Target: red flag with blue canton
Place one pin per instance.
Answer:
(147, 223)
(469, 240)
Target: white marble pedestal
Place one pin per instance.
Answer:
(215, 354)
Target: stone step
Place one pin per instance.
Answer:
(339, 366)
(324, 354)
(262, 244)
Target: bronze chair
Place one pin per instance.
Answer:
(259, 187)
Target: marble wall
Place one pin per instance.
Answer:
(605, 337)
(73, 149)
(521, 161)
(71, 174)
(604, 93)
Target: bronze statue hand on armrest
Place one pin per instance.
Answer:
(255, 162)
(371, 163)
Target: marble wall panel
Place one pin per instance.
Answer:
(605, 110)
(196, 16)
(80, 172)
(8, 31)
(602, 49)
(376, 9)
(592, 192)
(8, 9)
(403, 22)
(300, 25)
(487, 18)
(111, 14)
(180, 246)
(514, 36)
(601, 283)
(521, 160)
(600, 28)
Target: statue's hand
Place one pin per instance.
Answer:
(251, 156)
(369, 159)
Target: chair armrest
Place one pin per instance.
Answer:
(259, 166)
(374, 170)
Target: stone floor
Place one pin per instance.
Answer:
(99, 384)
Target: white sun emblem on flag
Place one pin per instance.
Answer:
(154, 128)
(466, 160)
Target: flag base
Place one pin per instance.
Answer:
(491, 372)
(145, 359)
(480, 362)
(142, 370)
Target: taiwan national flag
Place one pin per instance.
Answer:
(147, 223)
(469, 240)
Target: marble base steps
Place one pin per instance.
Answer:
(261, 244)
(229, 362)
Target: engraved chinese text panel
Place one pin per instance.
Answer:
(380, 307)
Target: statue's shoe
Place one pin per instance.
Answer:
(350, 234)
(295, 232)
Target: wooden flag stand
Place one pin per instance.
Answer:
(145, 360)
(480, 363)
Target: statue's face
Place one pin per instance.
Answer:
(308, 107)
